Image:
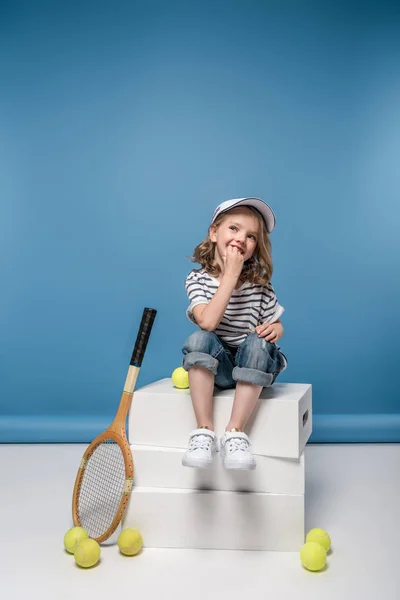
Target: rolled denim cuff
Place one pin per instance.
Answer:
(200, 359)
(252, 376)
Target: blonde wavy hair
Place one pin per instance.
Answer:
(258, 269)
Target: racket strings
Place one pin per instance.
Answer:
(102, 488)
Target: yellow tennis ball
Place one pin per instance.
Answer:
(130, 541)
(312, 556)
(320, 536)
(73, 537)
(180, 378)
(87, 553)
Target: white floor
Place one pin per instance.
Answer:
(352, 491)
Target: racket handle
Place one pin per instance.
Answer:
(149, 314)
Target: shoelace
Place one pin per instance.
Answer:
(200, 441)
(238, 444)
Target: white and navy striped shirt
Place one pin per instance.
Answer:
(249, 306)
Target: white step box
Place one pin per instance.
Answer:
(281, 424)
(161, 468)
(177, 518)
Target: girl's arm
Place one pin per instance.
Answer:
(208, 316)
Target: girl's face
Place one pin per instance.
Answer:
(239, 228)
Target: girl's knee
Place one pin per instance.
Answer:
(257, 353)
(253, 343)
(200, 341)
(200, 350)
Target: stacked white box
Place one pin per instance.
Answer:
(178, 507)
(162, 415)
(157, 467)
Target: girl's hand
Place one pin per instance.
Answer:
(233, 262)
(272, 332)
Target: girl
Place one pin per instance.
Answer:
(234, 304)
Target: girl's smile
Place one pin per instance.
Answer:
(239, 229)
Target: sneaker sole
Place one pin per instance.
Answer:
(197, 463)
(238, 466)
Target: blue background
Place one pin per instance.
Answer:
(123, 125)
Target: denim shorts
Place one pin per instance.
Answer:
(255, 361)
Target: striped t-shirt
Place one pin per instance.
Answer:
(249, 306)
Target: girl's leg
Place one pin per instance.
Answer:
(235, 445)
(257, 363)
(207, 362)
(201, 382)
(246, 396)
(256, 367)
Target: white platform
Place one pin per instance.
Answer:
(179, 507)
(281, 424)
(161, 468)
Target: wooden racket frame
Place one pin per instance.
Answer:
(116, 432)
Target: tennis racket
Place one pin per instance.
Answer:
(105, 476)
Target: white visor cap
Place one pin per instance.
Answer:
(262, 207)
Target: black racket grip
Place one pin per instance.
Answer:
(149, 314)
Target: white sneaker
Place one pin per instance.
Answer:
(236, 452)
(201, 450)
